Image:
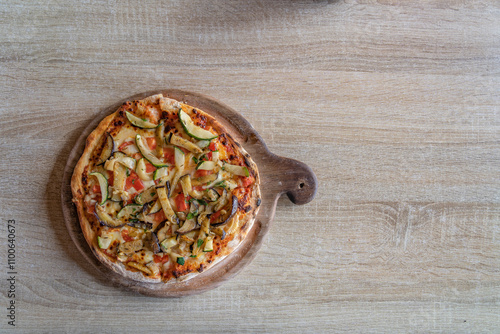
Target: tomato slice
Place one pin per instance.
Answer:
(161, 259)
(201, 172)
(212, 146)
(150, 168)
(125, 144)
(134, 181)
(126, 237)
(214, 216)
(246, 181)
(159, 216)
(111, 178)
(169, 155)
(181, 203)
(96, 189)
(151, 142)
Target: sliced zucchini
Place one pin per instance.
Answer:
(206, 165)
(107, 150)
(168, 243)
(141, 170)
(179, 158)
(209, 244)
(155, 208)
(104, 241)
(193, 130)
(236, 170)
(103, 184)
(181, 142)
(203, 143)
(160, 172)
(140, 123)
(165, 204)
(215, 156)
(129, 210)
(148, 154)
(105, 219)
(146, 196)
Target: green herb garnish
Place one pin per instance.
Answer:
(200, 242)
(180, 260)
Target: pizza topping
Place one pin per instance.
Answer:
(142, 170)
(103, 186)
(169, 197)
(139, 122)
(236, 170)
(224, 215)
(147, 153)
(105, 219)
(107, 150)
(181, 142)
(193, 130)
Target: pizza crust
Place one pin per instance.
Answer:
(78, 191)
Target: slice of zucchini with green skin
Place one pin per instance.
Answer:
(141, 170)
(140, 123)
(146, 196)
(156, 207)
(129, 210)
(236, 170)
(179, 158)
(203, 143)
(193, 130)
(168, 243)
(105, 219)
(206, 165)
(181, 142)
(103, 184)
(160, 172)
(209, 245)
(146, 153)
(107, 150)
(104, 242)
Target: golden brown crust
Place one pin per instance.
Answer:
(221, 248)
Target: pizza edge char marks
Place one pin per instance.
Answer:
(162, 191)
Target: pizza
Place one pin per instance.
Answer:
(163, 192)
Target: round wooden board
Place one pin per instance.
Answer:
(278, 175)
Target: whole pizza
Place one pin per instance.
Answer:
(162, 191)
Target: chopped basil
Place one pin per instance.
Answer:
(190, 215)
(195, 160)
(192, 255)
(128, 172)
(200, 242)
(180, 260)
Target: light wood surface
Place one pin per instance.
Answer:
(394, 105)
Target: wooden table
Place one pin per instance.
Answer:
(394, 105)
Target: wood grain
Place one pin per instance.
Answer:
(394, 105)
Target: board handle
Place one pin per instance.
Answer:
(294, 178)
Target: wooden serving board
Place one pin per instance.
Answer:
(278, 176)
